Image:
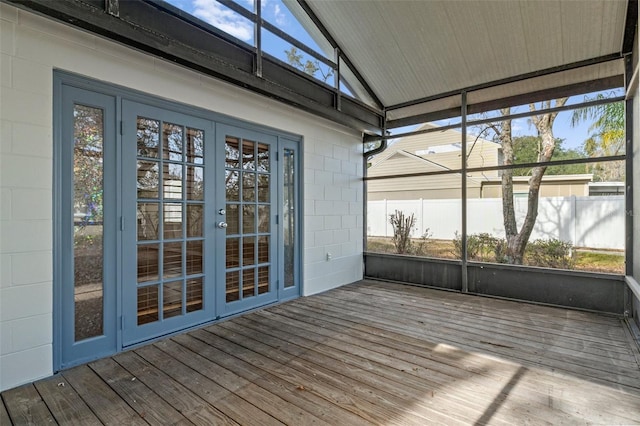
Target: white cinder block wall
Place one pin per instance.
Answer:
(31, 48)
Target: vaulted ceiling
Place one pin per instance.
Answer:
(411, 51)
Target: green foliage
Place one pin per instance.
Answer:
(402, 226)
(481, 247)
(421, 248)
(295, 59)
(527, 150)
(607, 139)
(550, 253)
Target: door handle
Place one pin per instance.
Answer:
(222, 225)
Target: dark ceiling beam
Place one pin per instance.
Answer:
(537, 96)
(630, 27)
(176, 36)
(513, 79)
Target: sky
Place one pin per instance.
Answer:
(273, 11)
(276, 13)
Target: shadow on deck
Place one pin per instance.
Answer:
(367, 353)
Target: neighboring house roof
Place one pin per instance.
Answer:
(434, 151)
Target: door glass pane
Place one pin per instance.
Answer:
(263, 157)
(148, 262)
(263, 249)
(264, 219)
(172, 260)
(195, 146)
(148, 136)
(172, 299)
(232, 185)
(172, 220)
(194, 294)
(172, 142)
(147, 304)
(233, 252)
(248, 155)
(148, 221)
(248, 283)
(88, 221)
(263, 279)
(172, 181)
(194, 220)
(263, 188)
(248, 251)
(195, 183)
(194, 257)
(289, 217)
(248, 186)
(248, 219)
(233, 286)
(233, 219)
(232, 153)
(147, 179)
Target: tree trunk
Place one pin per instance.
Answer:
(517, 240)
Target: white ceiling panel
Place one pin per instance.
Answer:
(410, 50)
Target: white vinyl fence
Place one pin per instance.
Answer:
(594, 221)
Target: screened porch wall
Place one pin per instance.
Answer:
(32, 48)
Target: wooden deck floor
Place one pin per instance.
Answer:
(368, 353)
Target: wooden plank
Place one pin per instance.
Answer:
(206, 388)
(64, 402)
(348, 401)
(479, 379)
(232, 405)
(511, 318)
(4, 416)
(185, 375)
(101, 399)
(476, 340)
(398, 330)
(578, 349)
(194, 408)
(578, 321)
(418, 391)
(26, 407)
(143, 400)
(350, 378)
(370, 403)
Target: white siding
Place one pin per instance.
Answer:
(31, 48)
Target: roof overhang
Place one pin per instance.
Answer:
(416, 60)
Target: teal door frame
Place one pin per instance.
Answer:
(120, 328)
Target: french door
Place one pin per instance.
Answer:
(246, 210)
(169, 220)
(168, 234)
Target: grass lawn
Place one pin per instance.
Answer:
(586, 259)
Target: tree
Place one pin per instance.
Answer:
(294, 58)
(517, 239)
(607, 139)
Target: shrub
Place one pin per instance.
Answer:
(550, 253)
(402, 226)
(420, 249)
(483, 247)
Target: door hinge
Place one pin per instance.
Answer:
(121, 127)
(277, 156)
(122, 322)
(277, 219)
(122, 223)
